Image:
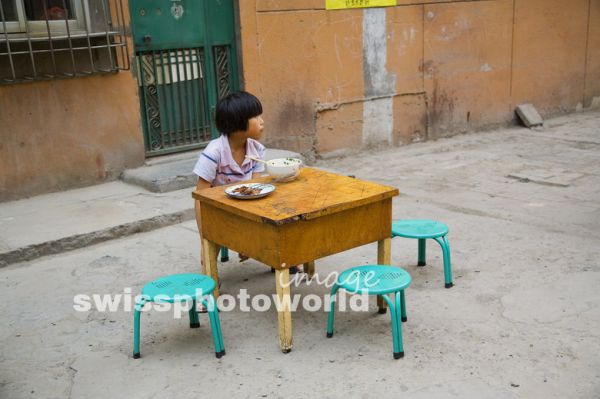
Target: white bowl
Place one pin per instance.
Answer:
(281, 168)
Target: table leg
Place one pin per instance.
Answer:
(209, 254)
(384, 257)
(309, 269)
(284, 314)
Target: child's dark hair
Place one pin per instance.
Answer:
(234, 110)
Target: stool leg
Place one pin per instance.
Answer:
(194, 319)
(224, 254)
(403, 307)
(218, 324)
(422, 250)
(215, 326)
(399, 309)
(447, 263)
(136, 329)
(330, 318)
(395, 323)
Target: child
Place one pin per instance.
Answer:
(223, 161)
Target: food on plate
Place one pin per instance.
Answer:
(247, 190)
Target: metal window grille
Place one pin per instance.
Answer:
(222, 68)
(52, 39)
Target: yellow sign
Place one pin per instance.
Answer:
(341, 4)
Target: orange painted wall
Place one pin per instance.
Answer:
(450, 67)
(61, 134)
(592, 71)
(67, 133)
(467, 63)
(329, 81)
(550, 53)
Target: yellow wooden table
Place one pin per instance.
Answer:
(316, 215)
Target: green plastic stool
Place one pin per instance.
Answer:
(181, 287)
(376, 280)
(422, 230)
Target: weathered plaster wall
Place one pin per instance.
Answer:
(56, 135)
(67, 133)
(329, 81)
(550, 45)
(467, 58)
(332, 80)
(592, 70)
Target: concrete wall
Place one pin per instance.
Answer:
(332, 80)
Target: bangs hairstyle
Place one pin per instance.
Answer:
(234, 110)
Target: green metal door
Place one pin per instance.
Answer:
(186, 60)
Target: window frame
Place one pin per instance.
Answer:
(41, 28)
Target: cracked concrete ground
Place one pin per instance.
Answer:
(523, 320)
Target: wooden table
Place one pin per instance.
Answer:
(316, 215)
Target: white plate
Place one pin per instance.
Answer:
(265, 189)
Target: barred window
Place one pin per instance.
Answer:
(49, 39)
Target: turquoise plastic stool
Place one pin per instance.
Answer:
(422, 230)
(181, 287)
(376, 280)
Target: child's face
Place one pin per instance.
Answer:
(255, 127)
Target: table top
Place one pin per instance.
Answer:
(312, 194)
